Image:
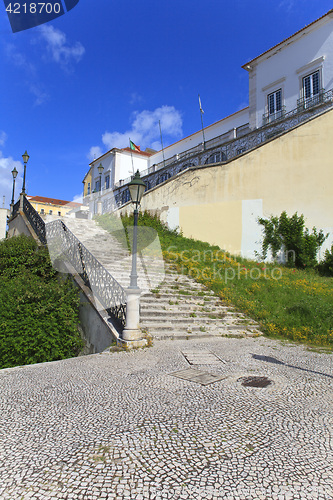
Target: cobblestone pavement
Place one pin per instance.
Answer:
(120, 426)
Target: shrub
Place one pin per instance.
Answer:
(38, 311)
(326, 266)
(289, 235)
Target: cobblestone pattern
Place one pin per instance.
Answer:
(119, 426)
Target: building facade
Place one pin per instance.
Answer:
(52, 206)
(293, 74)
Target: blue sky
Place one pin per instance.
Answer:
(107, 70)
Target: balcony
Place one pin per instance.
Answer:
(272, 117)
(310, 102)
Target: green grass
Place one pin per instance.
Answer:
(288, 303)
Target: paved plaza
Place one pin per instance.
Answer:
(173, 421)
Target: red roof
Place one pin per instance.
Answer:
(53, 201)
(288, 38)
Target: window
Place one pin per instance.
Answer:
(88, 188)
(107, 182)
(97, 186)
(42, 211)
(311, 85)
(59, 213)
(274, 102)
(125, 196)
(50, 212)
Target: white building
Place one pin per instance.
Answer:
(118, 165)
(292, 76)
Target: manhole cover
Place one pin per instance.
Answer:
(198, 376)
(255, 381)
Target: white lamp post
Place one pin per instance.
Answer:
(131, 335)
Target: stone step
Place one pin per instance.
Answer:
(167, 312)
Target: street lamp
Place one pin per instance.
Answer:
(14, 174)
(136, 188)
(131, 335)
(25, 157)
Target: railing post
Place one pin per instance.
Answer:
(22, 195)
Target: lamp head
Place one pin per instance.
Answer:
(136, 188)
(100, 168)
(14, 173)
(25, 157)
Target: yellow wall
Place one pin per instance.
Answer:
(63, 209)
(220, 204)
(87, 180)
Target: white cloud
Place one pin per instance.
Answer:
(31, 80)
(94, 152)
(286, 5)
(7, 164)
(3, 137)
(78, 198)
(135, 98)
(40, 95)
(145, 131)
(58, 47)
(19, 60)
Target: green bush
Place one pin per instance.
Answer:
(38, 311)
(326, 266)
(289, 235)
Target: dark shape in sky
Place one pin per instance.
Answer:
(70, 4)
(26, 14)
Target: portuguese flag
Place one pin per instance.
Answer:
(134, 147)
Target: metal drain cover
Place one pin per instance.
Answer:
(255, 381)
(198, 376)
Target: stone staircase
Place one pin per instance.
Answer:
(171, 305)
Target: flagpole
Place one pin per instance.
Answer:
(131, 156)
(202, 126)
(159, 123)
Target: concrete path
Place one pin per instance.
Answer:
(142, 424)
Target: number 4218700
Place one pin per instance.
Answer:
(34, 8)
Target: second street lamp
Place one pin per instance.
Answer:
(14, 174)
(25, 157)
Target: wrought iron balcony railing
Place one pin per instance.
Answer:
(310, 102)
(272, 117)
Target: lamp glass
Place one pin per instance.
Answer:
(100, 168)
(136, 188)
(25, 157)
